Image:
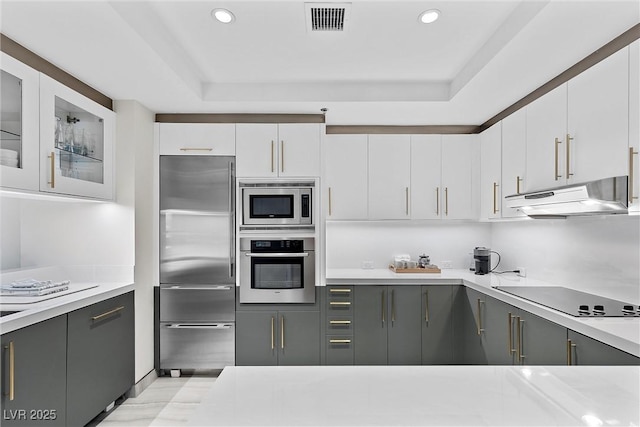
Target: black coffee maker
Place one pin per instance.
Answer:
(482, 257)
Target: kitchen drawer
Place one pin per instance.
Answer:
(339, 349)
(197, 303)
(342, 325)
(339, 300)
(211, 139)
(197, 345)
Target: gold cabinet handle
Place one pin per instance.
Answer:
(53, 169)
(426, 307)
(570, 347)
(518, 181)
(108, 313)
(495, 198)
(393, 307)
(521, 355)
(339, 302)
(340, 290)
(383, 308)
(282, 332)
(272, 157)
(557, 175)
(340, 341)
(195, 149)
(631, 178)
(510, 349)
(273, 338)
(569, 139)
(339, 322)
(329, 201)
(12, 371)
(479, 323)
(281, 156)
(446, 201)
(437, 200)
(406, 200)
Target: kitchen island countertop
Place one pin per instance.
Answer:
(620, 332)
(422, 396)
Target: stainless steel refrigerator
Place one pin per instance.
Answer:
(197, 262)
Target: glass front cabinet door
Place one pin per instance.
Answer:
(76, 143)
(18, 125)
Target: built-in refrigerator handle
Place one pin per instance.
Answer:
(232, 224)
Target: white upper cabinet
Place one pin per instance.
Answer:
(278, 150)
(193, 139)
(598, 121)
(389, 176)
(345, 182)
(546, 133)
(460, 175)
(19, 117)
(514, 147)
(634, 127)
(426, 159)
(76, 143)
(490, 172)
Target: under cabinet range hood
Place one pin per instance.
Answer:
(602, 197)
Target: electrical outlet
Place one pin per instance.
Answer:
(367, 265)
(522, 271)
(446, 264)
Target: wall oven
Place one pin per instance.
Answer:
(277, 203)
(277, 270)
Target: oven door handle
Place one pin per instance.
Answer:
(278, 255)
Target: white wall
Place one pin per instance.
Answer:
(596, 254)
(348, 243)
(136, 148)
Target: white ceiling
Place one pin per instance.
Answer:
(386, 68)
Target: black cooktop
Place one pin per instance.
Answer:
(572, 302)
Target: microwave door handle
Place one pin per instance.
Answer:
(278, 255)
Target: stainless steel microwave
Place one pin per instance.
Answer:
(277, 204)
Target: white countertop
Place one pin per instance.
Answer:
(622, 333)
(31, 313)
(422, 396)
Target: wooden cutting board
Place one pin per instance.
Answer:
(433, 269)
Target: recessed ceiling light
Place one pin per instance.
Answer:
(429, 16)
(223, 15)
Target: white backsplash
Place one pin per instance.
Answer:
(350, 243)
(596, 254)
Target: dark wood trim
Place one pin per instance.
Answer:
(239, 118)
(620, 42)
(427, 129)
(38, 63)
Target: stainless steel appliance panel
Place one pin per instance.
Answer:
(197, 303)
(277, 204)
(197, 345)
(288, 277)
(196, 220)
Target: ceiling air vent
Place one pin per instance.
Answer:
(327, 16)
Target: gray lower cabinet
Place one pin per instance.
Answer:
(538, 341)
(387, 325)
(34, 374)
(338, 325)
(582, 350)
(100, 357)
(438, 318)
(277, 338)
(506, 335)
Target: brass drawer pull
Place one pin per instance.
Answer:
(12, 371)
(479, 323)
(557, 175)
(108, 313)
(340, 290)
(53, 169)
(339, 303)
(195, 149)
(339, 322)
(341, 341)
